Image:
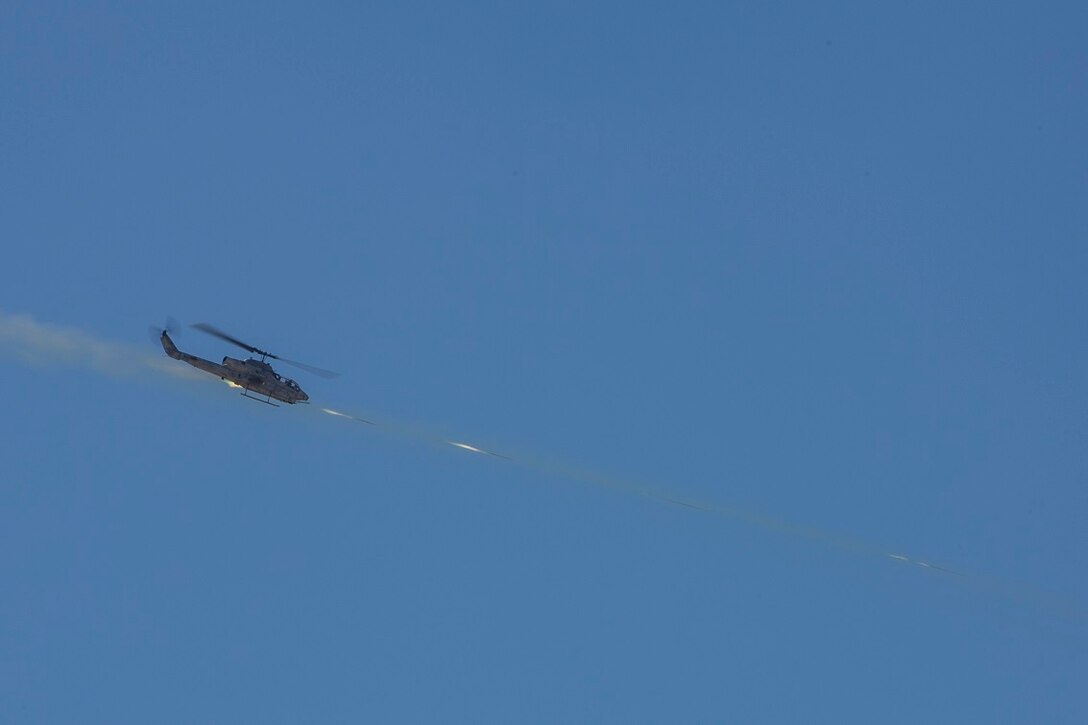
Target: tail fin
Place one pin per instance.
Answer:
(169, 346)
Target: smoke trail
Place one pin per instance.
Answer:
(42, 345)
(643, 490)
(1049, 602)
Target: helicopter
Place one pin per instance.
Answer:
(252, 375)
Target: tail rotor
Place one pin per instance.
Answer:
(172, 327)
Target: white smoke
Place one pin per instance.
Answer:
(42, 344)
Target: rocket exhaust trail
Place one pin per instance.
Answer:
(1056, 604)
(645, 491)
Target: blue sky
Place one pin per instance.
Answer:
(821, 263)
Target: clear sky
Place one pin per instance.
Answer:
(821, 261)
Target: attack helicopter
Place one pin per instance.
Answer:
(252, 375)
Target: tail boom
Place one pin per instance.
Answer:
(197, 362)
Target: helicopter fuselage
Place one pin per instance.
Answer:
(254, 376)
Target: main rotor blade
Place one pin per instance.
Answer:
(214, 332)
(308, 368)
